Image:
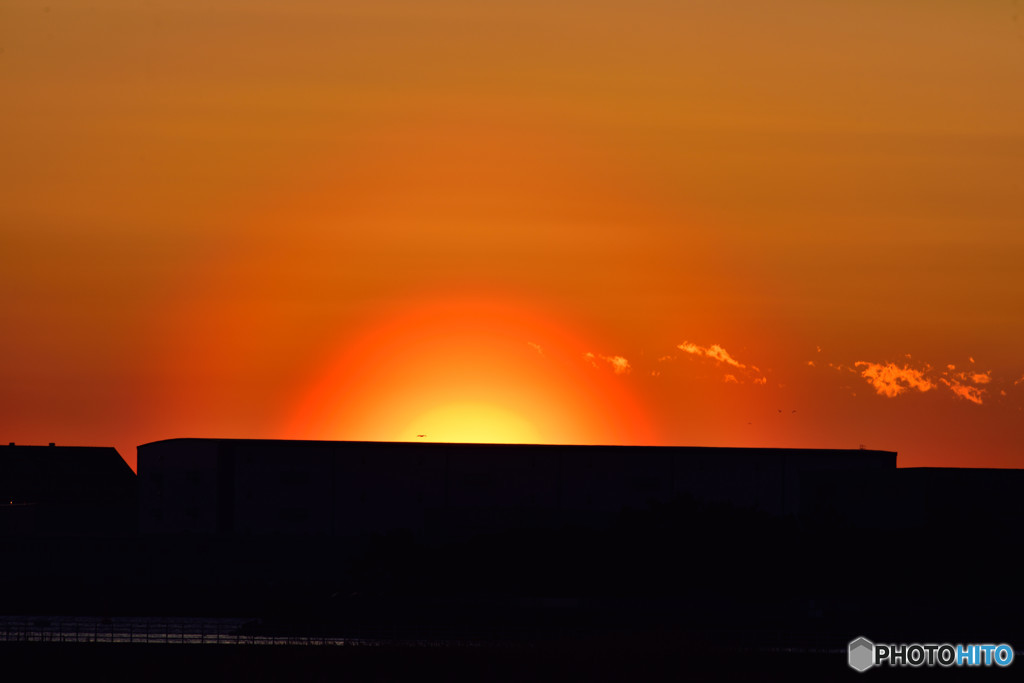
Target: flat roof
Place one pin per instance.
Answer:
(520, 446)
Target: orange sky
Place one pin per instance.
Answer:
(702, 223)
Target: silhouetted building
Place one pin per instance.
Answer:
(404, 538)
(325, 488)
(65, 491)
(916, 497)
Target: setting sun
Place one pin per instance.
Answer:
(472, 423)
(466, 370)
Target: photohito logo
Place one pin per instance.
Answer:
(862, 654)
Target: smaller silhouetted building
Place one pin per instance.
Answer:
(946, 498)
(66, 491)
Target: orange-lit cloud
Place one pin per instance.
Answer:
(719, 355)
(620, 365)
(891, 380)
(958, 383)
(714, 352)
(972, 394)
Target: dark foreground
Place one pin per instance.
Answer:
(683, 589)
(593, 659)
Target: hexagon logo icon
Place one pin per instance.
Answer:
(861, 653)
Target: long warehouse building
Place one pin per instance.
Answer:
(235, 487)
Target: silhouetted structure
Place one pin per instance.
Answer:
(730, 548)
(917, 497)
(437, 491)
(65, 491)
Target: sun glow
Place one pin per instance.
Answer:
(467, 371)
(472, 423)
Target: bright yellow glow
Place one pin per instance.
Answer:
(472, 423)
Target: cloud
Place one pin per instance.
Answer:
(718, 354)
(714, 352)
(958, 383)
(536, 347)
(972, 394)
(962, 377)
(620, 366)
(891, 380)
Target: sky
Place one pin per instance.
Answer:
(791, 224)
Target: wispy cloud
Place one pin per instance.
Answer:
(960, 383)
(972, 394)
(619, 364)
(891, 380)
(536, 347)
(719, 355)
(714, 352)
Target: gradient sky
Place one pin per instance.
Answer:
(679, 223)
